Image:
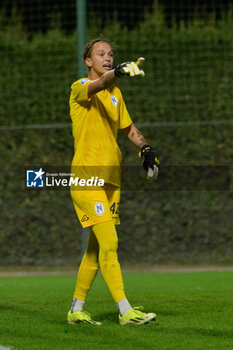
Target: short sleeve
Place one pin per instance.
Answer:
(79, 90)
(124, 120)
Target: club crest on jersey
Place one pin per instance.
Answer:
(83, 81)
(114, 100)
(99, 208)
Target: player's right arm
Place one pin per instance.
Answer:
(105, 81)
(109, 78)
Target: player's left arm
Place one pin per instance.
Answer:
(151, 162)
(135, 135)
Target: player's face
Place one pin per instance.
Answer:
(101, 59)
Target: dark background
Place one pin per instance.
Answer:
(128, 13)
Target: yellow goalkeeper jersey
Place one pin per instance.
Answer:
(95, 123)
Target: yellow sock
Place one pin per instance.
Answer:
(88, 268)
(110, 268)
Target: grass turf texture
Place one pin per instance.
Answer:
(194, 311)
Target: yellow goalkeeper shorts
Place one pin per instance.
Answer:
(96, 206)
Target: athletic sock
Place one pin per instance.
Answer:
(106, 235)
(123, 306)
(77, 305)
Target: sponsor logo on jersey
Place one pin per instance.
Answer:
(35, 178)
(85, 218)
(99, 208)
(114, 100)
(83, 81)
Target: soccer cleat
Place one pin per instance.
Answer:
(81, 317)
(136, 316)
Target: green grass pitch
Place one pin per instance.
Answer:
(194, 311)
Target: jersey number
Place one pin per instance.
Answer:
(115, 208)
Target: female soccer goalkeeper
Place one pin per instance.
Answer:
(97, 111)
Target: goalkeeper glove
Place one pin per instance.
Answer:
(150, 162)
(130, 68)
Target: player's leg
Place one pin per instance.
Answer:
(110, 268)
(86, 275)
(108, 260)
(88, 268)
(106, 235)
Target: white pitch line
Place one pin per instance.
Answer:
(6, 348)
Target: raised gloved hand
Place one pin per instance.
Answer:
(130, 68)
